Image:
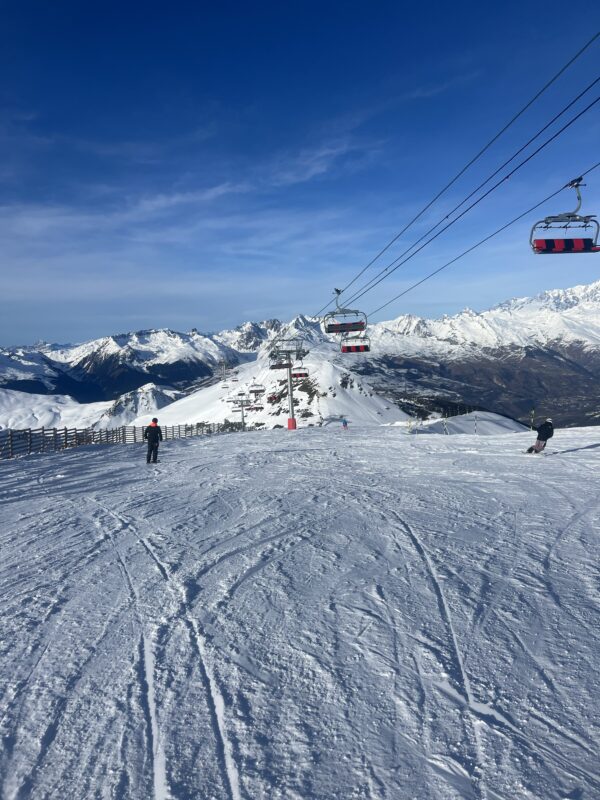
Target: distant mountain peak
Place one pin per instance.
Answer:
(556, 299)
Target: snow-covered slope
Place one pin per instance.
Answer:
(147, 399)
(25, 410)
(323, 614)
(330, 392)
(20, 364)
(479, 423)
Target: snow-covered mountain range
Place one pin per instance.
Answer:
(540, 353)
(559, 315)
(103, 369)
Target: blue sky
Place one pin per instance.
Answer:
(198, 165)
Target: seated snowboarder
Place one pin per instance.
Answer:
(154, 435)
(544, 432)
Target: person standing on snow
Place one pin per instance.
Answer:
(344, 423)
(544, 432)
(153, 434)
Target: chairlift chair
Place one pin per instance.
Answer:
(299, 373)
(355, 345)
(351, 324)
(279, 359)
(293, 348)
(344, 320)
(562, 222)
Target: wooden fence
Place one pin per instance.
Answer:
(15, 442)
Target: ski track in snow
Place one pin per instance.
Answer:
(313, 615)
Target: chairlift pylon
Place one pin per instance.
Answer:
(559, 222)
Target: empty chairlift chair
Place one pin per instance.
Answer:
(351, 325)
(563, 222)
(295, 348)
(299, 373)
(279, 359)
(355, 345)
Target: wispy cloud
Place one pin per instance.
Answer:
(19, 131)
(427, 90)
(156, 203)
(145, 150)
(288, 169)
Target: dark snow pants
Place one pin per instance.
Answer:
(152, 452)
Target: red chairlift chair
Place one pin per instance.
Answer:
(563, 222)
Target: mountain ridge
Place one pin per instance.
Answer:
(520, 354)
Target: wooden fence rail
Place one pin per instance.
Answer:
(23, 442)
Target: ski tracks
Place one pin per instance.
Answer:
(214, 696)
(464, 684)
(146, 663)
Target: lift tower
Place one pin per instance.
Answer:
(282, 356)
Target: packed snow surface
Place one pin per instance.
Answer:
(318, 614)
(481, 423)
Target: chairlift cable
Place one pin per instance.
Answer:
(391, 268)
(475, 246)
(469, 164)
(481, 185)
